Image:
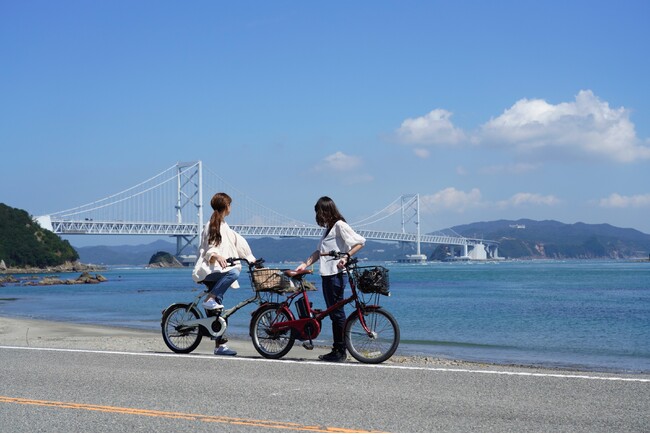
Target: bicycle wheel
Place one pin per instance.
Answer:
(180, 338)
(376, 346)
(271, 345)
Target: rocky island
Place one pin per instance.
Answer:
(164, 260)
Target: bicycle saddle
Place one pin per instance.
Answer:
(294, 273)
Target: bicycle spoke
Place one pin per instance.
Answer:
(378, 343)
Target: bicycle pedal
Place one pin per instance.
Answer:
(308, 345)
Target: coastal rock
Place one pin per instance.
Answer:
(87, 278)
(70, 266)
(8, 279)
(53, 280)
(164, 260)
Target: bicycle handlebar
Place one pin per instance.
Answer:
(255, 264)
(339, 255)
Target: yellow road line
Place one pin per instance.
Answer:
(285, 426)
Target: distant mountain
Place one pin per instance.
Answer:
(124, 254)
(272, 249)
(552, 239)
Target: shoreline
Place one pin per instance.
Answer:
(37, 333)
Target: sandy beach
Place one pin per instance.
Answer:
(24, 332)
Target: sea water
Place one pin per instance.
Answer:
(571, 314)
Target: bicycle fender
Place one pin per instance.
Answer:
(185, 305)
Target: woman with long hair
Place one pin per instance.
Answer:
(338, 236)
(218, 243)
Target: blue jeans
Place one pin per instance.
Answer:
(333, 287)
(218, 283)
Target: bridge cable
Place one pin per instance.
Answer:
(113, 195)
(120, 200)
(256, 202)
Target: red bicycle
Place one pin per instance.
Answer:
(371, 333)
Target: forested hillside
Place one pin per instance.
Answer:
(23, 243)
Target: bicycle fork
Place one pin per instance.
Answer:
(372, 334)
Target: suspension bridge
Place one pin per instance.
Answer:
(171, 204)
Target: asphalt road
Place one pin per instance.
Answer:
(50, 390)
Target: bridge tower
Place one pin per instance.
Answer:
(411, 212)
(189, 208)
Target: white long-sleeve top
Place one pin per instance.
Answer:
(232, 245)
(341, 238)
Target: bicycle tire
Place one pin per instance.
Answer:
(269, 344)
(179, 339)
(379, 346)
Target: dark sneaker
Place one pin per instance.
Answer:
(335, 356)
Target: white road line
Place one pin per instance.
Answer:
(341, 365)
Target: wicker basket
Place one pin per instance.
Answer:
(270, 280)
(372, 280)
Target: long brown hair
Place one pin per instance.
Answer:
(220, 203)
(327, 214)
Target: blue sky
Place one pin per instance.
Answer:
(488, 109)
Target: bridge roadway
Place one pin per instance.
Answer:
(91, 227)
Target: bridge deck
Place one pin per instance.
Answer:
(90, 227)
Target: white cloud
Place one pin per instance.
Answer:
(585, 127)
(520, 199)
(615, 200)
(434, 128)
(452, 199)
(421, 152)
(339, 162)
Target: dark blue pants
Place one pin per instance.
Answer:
(333, 287)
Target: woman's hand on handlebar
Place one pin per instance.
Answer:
(258, 263)
(215, 258)
(342, 257)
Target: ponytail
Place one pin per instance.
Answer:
(220, 203)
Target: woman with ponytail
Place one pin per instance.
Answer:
(218, 243)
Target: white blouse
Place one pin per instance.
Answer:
(341, 238)
(232, 245)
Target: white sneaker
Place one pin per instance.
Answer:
(212, 304)
(223, 350)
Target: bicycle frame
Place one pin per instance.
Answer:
(206, 322)
(308, 328)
